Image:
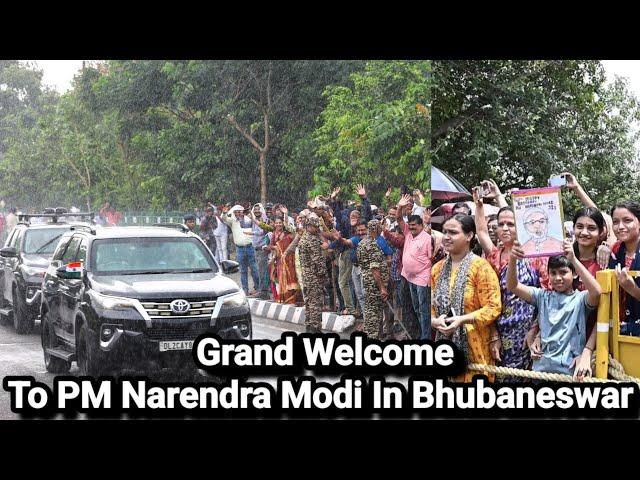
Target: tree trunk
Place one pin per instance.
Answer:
(263, 177)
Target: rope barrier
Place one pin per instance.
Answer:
(517, 372)
(616, 371)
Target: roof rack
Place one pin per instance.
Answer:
(178, 226)
(54, 216)
(86, 228)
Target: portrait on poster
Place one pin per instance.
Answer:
(539, 221)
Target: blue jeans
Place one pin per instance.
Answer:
(421, 299)
(247, 259)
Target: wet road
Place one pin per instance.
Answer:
(22, 355)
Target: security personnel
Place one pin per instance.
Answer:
(314, 274)
(375, 278)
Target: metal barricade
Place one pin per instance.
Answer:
(624, 348)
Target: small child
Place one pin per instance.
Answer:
(562, 313)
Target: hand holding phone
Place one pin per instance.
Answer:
(557, 181)
(486, 188)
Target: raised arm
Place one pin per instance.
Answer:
(482, 231)
(572, 184)
(495, 193)
(402, 203)
(387, 198)
(366, 204)
(513, 285)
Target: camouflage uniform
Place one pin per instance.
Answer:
(314, 276)
(369, 257)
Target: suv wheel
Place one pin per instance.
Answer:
(22, 321)
(89, 362)
(49, 340)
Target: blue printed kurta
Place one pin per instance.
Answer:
(517, 316)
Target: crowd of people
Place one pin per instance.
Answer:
(503, 307)
(336, 254)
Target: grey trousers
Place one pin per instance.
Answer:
(344, 274)
(356, 278)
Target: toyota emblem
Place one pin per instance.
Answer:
(180, 306)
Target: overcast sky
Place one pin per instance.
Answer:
(59, 73)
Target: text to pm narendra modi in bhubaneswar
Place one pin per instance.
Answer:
(358, 387)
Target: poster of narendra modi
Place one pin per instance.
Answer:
(539, 221)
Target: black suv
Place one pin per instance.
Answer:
(23, 260)
(131, 297)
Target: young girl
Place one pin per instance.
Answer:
(625, 257)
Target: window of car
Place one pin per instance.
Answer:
(70, 254)
(43, 241)
(10, 237)
(17, 236)
(130, 256)
(62, 247)
(82, 251)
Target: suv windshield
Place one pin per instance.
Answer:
(130, 256)
(42, 240)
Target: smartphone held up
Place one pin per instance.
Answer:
(557, 181)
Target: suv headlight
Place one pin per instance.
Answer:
(108, 302)
(235, 300)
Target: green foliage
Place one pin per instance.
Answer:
(158, 134)
(376, 131)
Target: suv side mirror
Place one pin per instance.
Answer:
(229, 266)
(72, 270)
(8, 252)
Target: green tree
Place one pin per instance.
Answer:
(198, 125)
(376, 131)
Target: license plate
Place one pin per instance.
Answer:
(176, 345)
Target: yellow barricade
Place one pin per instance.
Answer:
(624, 348)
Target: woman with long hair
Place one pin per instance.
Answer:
(589, 230)
(625, 257)
(465, 295)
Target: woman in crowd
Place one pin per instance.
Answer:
(466, 294)
(517, 318)
(282, 269)
(625, 257)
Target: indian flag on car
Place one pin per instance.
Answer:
(74, 270)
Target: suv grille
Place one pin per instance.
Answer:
(161, 309)
(176, 331)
